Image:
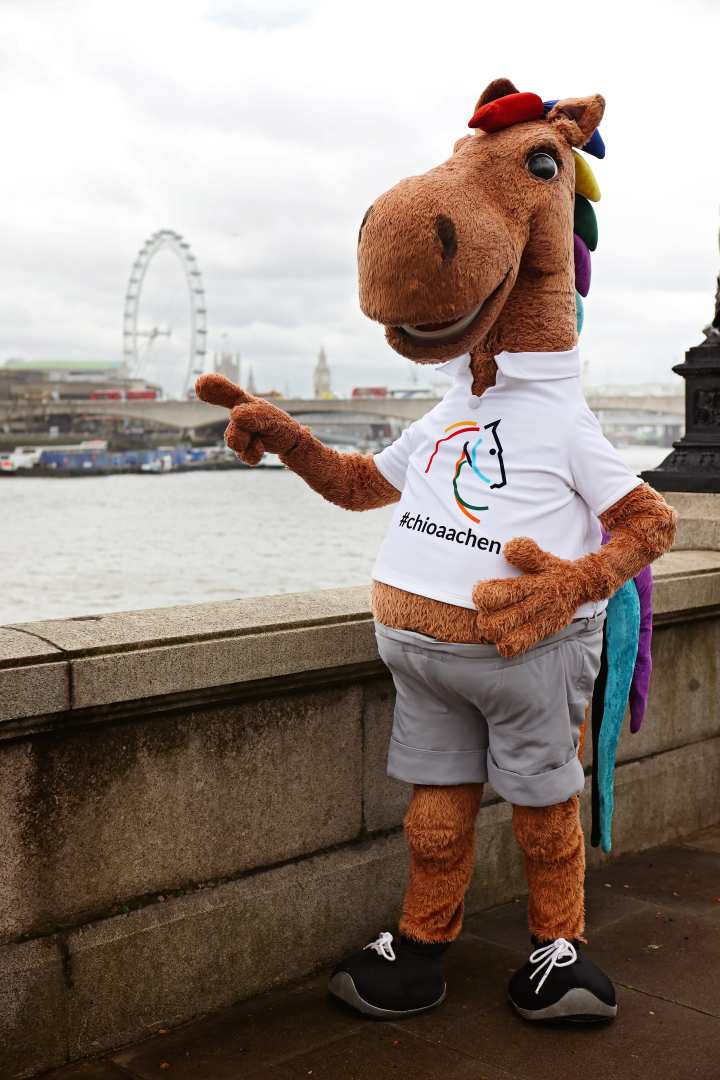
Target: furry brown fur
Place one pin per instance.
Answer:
(407, 611)
(352, 481)
(440, 831)
(552, 839)
(479, 229)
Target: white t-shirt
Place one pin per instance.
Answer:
(527, 458)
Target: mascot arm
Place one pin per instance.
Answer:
(352, 481)
(516, 613)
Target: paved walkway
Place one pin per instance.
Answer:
(655, 928)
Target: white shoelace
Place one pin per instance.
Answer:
(559, 953)
(383, 946)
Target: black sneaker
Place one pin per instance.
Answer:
(559, 983)
(392, 978)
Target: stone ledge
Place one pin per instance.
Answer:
(30, 689)
(699, 519)
(686, 583)
(121, 630)
(128, 676)
(20, 646)
(34, 676)
(134, 656)
(152, 654)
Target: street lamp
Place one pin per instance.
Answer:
(694, 464)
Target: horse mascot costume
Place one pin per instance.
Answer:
(491, 587)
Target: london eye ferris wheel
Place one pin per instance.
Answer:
(134, 356)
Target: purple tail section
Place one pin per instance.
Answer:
(643, 665)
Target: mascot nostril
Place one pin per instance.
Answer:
(446, 235)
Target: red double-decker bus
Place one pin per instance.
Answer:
(370, 391)
(141, 395)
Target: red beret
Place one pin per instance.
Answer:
(504, 111)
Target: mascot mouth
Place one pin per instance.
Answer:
(441, 333)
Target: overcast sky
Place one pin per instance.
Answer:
(262, 130)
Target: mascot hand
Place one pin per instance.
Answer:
(255, 424)
(517, 613)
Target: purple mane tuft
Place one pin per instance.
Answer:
(583, 265)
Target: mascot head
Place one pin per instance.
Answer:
(484, 252)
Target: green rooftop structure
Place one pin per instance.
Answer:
(81, 366)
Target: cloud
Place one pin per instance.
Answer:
(263, 130)
(260, 15)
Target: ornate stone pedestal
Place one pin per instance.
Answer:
(694, 464)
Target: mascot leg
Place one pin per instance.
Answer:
(440, 831)
(400, 976)
(552, 839)
(558, 981)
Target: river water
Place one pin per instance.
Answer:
(116, 543)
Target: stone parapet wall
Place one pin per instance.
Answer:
(193, 804)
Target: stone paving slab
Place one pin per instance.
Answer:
(387, 1052)
(679, 877)
(667, 954)
(93, 1070)
(651, 1040)
(668, 1027)
(247, 1038)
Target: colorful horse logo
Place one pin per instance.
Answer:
(469, 456)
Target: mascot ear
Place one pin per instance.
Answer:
(496, 89)
(460, 141)
(576, 118)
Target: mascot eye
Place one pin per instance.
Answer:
(542, 165)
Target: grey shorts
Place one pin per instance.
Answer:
(464, 714)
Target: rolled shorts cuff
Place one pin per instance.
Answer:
(542, 789)
(436, 767)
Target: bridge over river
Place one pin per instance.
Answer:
(624, 409)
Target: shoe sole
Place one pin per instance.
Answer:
(579, 1006)
(343, 986)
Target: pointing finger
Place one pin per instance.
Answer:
(217, 390)
(258, 417)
